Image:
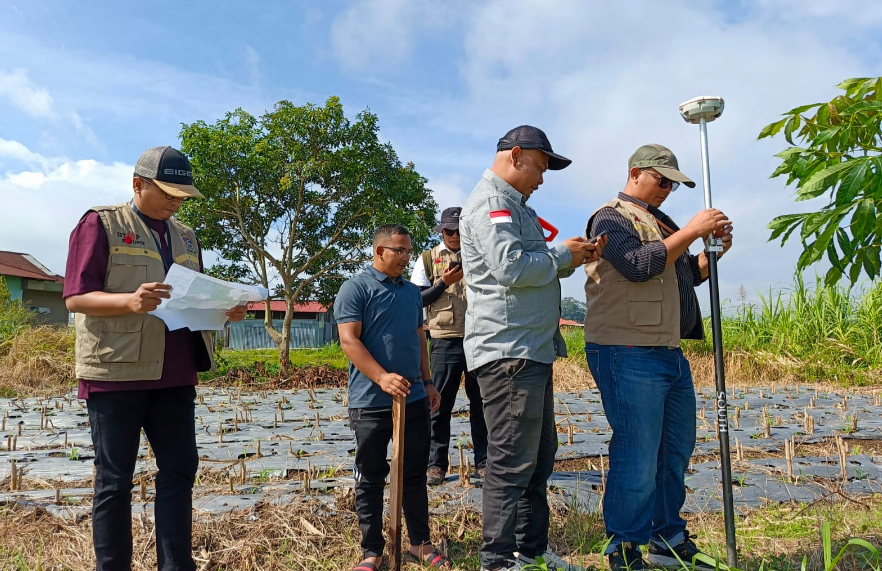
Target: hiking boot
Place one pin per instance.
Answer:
(626, 557)
(665, 556)
(434, 476)
(552, 561)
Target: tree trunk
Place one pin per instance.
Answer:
(285, 345)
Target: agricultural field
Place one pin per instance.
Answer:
(274, 490)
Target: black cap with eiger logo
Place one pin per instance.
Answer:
(169, 169)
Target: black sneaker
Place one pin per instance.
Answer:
(626, 557)
(665, 556)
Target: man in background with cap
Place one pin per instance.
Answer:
(511, 341)
(641, 301)
(133, 372)
(438, 273)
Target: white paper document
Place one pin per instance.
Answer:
(200, 302)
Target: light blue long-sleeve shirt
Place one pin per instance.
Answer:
(512, 277)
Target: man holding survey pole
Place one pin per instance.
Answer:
(134, 373)
(641, 303)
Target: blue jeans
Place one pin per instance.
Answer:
(649, 401)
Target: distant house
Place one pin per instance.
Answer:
(35, 285)
(310, 310)
(312, 326)
(570, 323)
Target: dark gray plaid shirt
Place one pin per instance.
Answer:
(638, 262)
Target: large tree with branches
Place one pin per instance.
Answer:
(292, 198)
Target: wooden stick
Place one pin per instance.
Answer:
(397, 479)
(13, 476)
(788, 455)
(602, 475)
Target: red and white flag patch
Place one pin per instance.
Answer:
(500, 216)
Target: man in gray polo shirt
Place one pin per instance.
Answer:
(512, 340)
(380, 319)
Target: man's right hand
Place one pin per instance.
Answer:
(706, 222)
(148, 297)
(452, 274)
(580, 248)
(394, 384)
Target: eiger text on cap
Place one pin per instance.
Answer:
(169, 169)
(449, 219)
(528, 137)
(662, 160)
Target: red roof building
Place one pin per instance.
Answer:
(38, 288)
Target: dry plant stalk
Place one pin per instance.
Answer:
(843, 458)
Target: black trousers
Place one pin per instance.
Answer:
(373, 432)
(116, 420)
(519, 408)
(448, 365)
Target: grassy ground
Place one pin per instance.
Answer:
(305, 536)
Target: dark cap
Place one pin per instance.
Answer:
(527, 137)
(169, 169)
(662, 160)
(449, 219)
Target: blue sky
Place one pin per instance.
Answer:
(85, 87)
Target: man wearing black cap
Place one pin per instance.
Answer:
(438, 273)
(511, 342)
(132, 371)
(641, 302)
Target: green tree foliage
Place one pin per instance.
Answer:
(13, 315)
(837, 151)
(292, 199)
(571, 308)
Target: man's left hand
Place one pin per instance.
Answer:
(434, 397)
(237, 313)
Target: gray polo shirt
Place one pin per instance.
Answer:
(390, 313)
(512, 278)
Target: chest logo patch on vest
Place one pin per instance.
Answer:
(130, 238)
(188, 241)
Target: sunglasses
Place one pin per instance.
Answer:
(449, 232)
(663, 181)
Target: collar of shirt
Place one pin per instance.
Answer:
(444, 248)
(503, 187)
(380, 276)
(651, 209)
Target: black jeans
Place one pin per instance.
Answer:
(519, 409)
(448, 365)
(373, 431)
(116, 420)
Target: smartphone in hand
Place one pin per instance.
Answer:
(598, 237)
(455, 265)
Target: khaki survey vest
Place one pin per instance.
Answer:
(131, 347)
(446, 316)
(622, 312)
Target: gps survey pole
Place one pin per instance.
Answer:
(701, 111)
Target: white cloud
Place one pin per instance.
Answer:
(17, 87)
(45, 203)
(375, 34)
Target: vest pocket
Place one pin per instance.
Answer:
(442, 315)
(645, 302)
(127, 273)
(120, 340)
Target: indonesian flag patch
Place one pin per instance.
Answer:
(500, 216)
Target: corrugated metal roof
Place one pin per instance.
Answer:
(25, 266)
